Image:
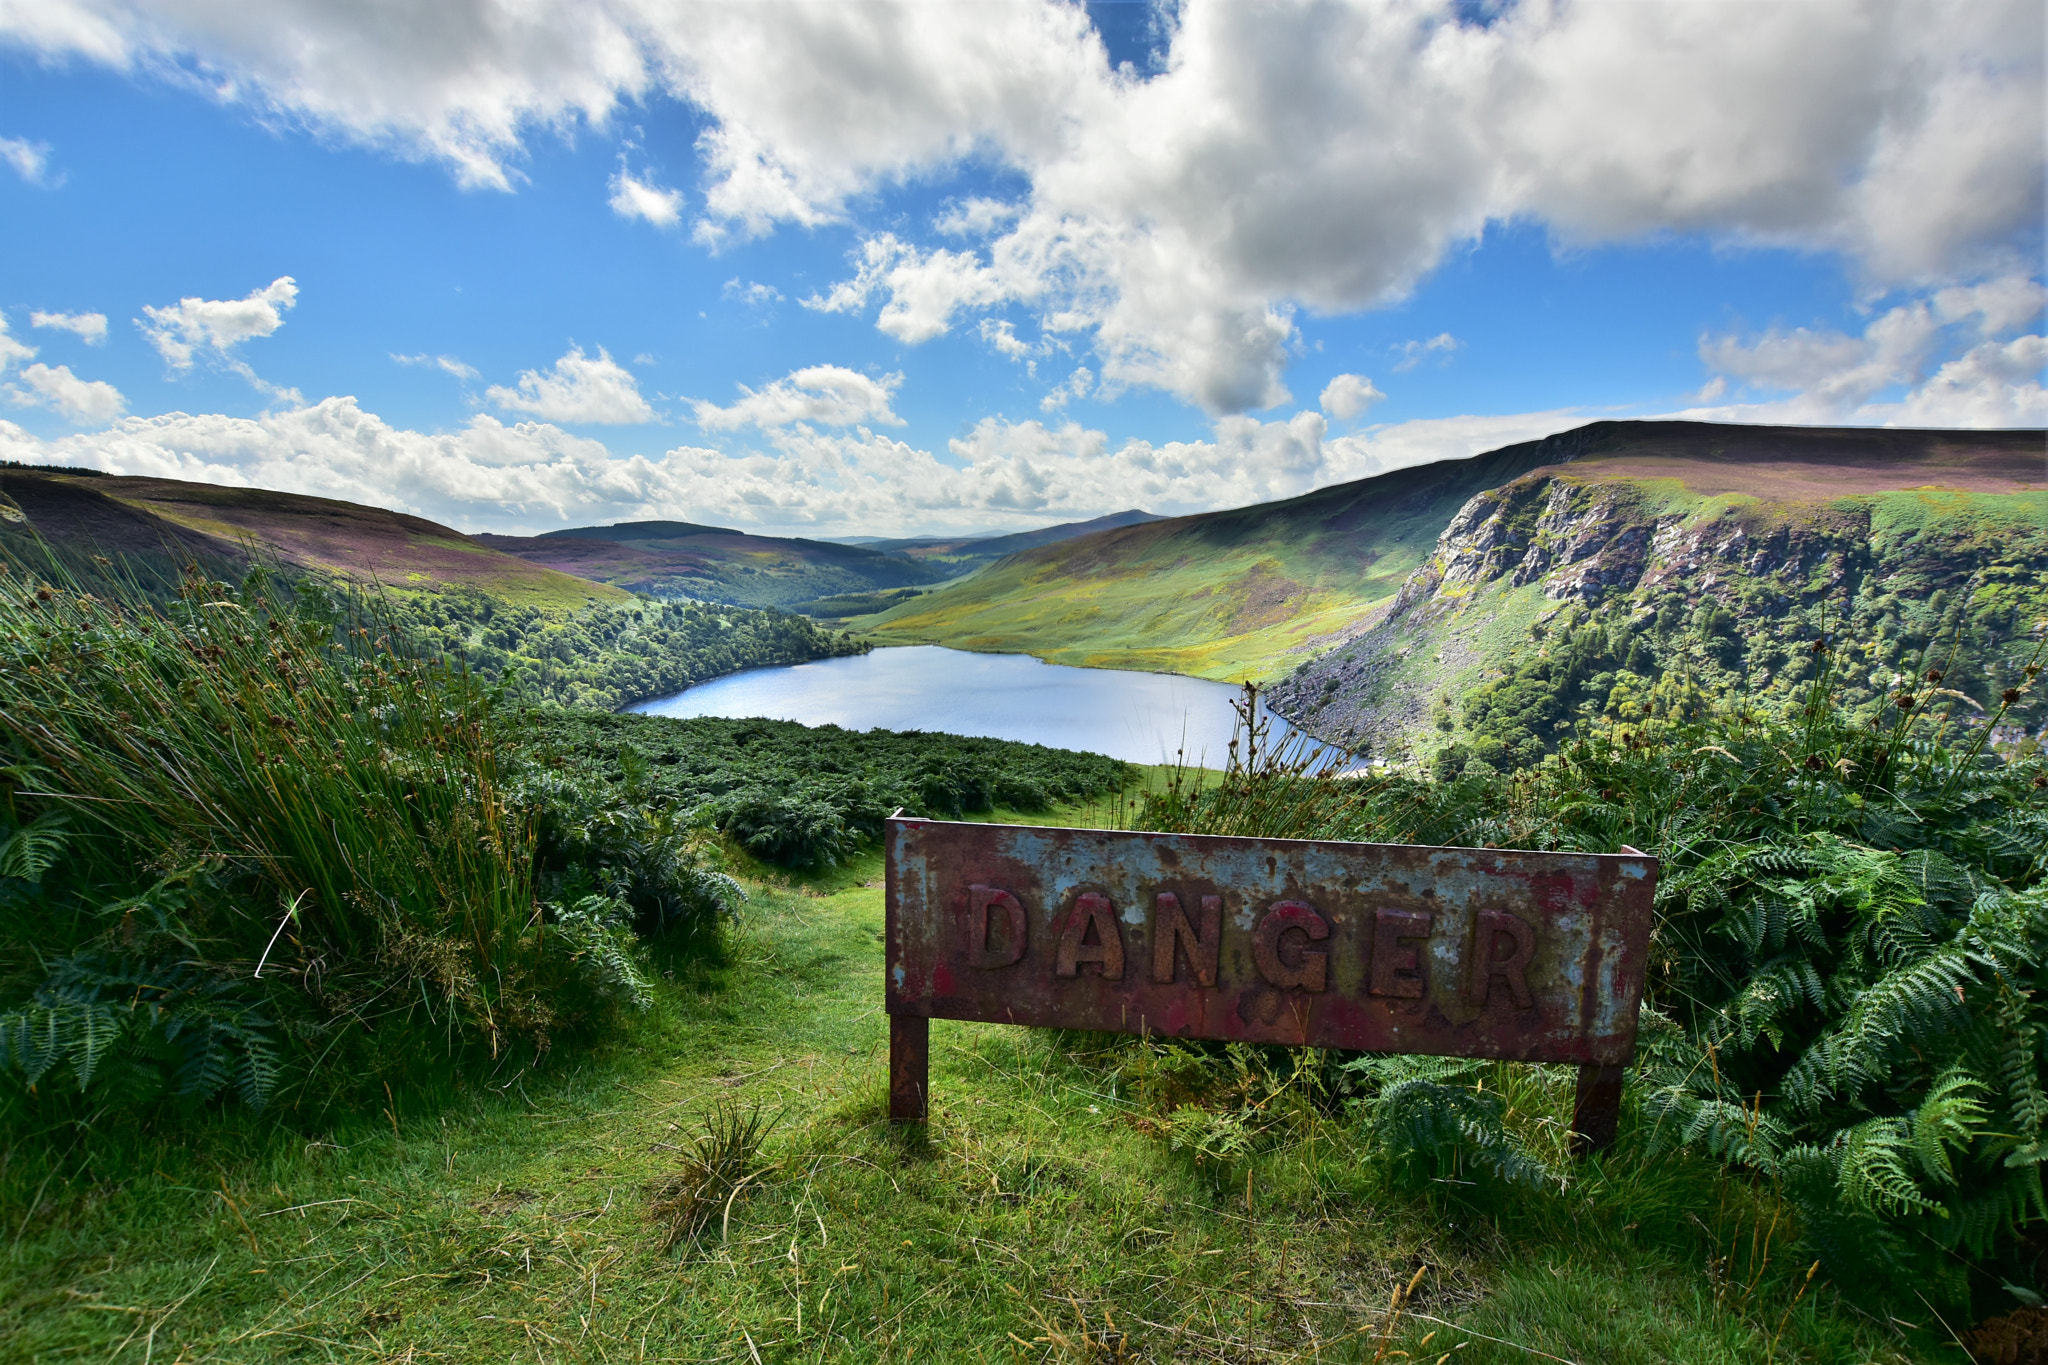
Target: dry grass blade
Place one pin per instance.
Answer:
(722, 1163)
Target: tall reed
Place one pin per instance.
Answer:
(336, 792)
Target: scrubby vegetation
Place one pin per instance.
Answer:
(251, 842)
(609, 656)
(1587, 667)
(1849, 989)
(804, 796)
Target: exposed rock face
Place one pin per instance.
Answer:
(1890, 571)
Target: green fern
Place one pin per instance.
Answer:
(166, 1027)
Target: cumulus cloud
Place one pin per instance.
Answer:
(445, 363)
(532, 476)
(195, 328)
(976, 217)
(86, 402)
(1832, 376)
(1309, 154)
(577, 388)
(90, 327)
(184, 329)
(1001, 336)
(824, 395)
(30, 160)
(635, 198)
(1076, 385)
(1348, 395)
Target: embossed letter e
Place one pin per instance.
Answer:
(1170, 928)
(982, 903)
(1091, 908)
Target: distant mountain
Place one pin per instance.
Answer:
(1259, 591)
(678, 559)
(147, 520)
(965, 553)
(827, 578)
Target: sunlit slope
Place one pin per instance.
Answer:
(1254, 592)
(1230, 595)
(128, 516)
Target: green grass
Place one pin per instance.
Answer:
(1044, 1206)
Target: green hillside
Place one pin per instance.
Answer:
(1634, 587)
(1257, 591)
(1229, 595)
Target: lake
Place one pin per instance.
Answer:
(1138, 717)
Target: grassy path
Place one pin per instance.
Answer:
(1045, 1216)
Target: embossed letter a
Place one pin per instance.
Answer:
(1091, 908)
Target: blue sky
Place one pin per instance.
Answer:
(989, 266)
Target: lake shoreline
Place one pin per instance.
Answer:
(1140, 717)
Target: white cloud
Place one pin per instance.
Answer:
(634, 198)
(446, 363)
(1996, 384)
(86, 402)
(30, 160)
(577, 389)
(1308, 154)
(1076, 385)
(924, 288)
(976, 217)
(181, 330)
(90, 327)
(827, 395)
(1831, 376)
(1348, 395)
(12, 352)
(753, 293)
(194, 327)
(1001, 336)
(1413, 353)
(533, 476)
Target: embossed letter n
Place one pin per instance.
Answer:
(1170, 929)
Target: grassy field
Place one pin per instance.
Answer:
(1046, 1215)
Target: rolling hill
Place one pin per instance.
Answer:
(677, 559)
(144, 518)
(1258, 591)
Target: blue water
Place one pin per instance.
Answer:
(1138, 717)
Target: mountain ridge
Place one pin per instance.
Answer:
(1249, 593)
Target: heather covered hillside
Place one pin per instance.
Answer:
(117, 515)
(544, 635)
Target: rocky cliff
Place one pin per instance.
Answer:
(1585, 591)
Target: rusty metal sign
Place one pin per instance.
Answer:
(1463, 952)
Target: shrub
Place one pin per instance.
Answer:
(242, 829)
(1848, 989)
(806, 796)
